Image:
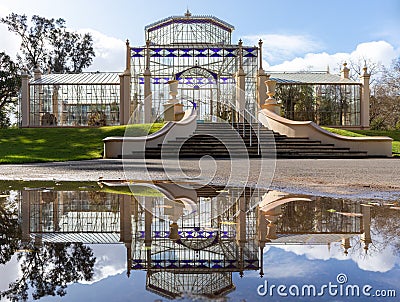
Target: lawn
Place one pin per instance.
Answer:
(28, 145)
(60, 144)
(395, 134)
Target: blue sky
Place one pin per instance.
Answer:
(297, 35)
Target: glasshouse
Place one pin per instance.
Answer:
(223, 79)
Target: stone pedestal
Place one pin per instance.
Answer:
(276, 108)
(271, 103)
(173, 110)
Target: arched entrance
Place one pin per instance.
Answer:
(202, 86)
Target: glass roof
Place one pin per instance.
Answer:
(85, 78)
(309, 78)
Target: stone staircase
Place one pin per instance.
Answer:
(220, 140)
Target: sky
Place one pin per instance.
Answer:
(297, 34)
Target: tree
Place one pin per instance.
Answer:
(47, 44)
(10, 83)
(385, 100)
(373, 68)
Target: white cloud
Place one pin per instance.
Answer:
(312, 252)
(277, 47)
(110, 261)
(376, 51)
(9, 41)
(381, 261)
(109, 52)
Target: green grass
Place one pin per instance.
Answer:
(29, 145)
(395, 134)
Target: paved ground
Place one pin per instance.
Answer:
(358, 177)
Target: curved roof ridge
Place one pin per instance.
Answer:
(195, 17)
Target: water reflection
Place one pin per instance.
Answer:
(188, 240)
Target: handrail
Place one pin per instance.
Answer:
(253, 119)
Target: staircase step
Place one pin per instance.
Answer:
(214, 138)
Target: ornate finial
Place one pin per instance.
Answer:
(240, 54)
(345, 64)
(260, 43)
(188, 14)
(127, 42)
(147, 54)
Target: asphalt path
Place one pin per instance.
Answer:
(376, 178)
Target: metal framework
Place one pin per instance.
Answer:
(222, 236)
(197, 51)
(86, 99)
(320, 97)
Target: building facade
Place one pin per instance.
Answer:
(225, 80)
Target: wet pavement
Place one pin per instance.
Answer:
(346, 177)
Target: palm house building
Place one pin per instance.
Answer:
(223, 78)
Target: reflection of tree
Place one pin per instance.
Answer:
(10, 232)
(386, 227)
(317, 216)
(48, 269)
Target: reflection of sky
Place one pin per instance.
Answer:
(286, 265)
(298, 265)
(8, 273)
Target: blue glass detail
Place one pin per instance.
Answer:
(186, 263)
(157, 264)
(137, 49)
(216, 263)
(230, 55)
(216, 55)
(172, 265)
(232, 264)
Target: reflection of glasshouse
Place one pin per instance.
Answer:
(220, 77)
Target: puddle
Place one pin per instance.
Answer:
(195, 243)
